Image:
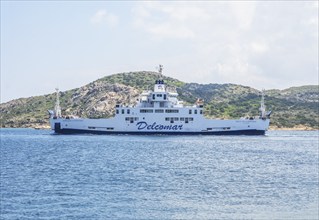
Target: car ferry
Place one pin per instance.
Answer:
(160, 112)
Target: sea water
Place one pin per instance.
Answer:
(45, 176)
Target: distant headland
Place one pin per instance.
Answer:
(295, 108)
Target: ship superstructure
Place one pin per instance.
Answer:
(160, 112)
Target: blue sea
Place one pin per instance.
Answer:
(45, 176)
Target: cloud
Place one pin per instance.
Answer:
(243, 13)
(102, 16)
(168, 30)
(251, 43)
(259, 47)
(173, 20)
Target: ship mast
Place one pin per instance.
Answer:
(160, 69)
(262, 104)
(57, 108)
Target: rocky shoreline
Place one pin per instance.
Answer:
(295, 128)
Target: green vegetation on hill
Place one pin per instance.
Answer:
(296, 106)
(141, 80)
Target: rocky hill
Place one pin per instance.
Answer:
(293, 107)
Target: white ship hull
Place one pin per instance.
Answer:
(160, 112)
(157, 126)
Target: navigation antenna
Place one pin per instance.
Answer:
(262, 104)
(160, 69)
(57, 108)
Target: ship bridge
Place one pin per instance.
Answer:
(159, 97)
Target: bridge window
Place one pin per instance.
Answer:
(122, 111)
(128, 111)
(117, 111)
(201, 112)
(195, 111)
(190, 111)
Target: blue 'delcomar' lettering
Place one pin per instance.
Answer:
(157, 127)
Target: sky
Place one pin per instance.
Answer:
(67, 44)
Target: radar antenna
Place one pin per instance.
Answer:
(160, 69)
(57, 108)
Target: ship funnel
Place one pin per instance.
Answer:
(159, 86)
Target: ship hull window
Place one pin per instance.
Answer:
(171, 111)
(146, 111)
